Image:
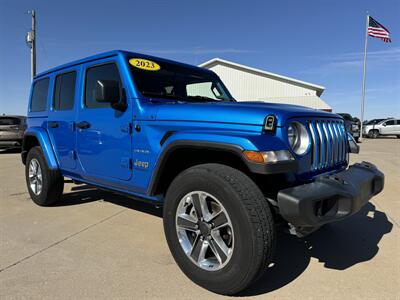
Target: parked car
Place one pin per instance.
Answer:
(12, 131)
(383, 128)
(352, 125)
(171, 134)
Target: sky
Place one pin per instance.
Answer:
(321, 42)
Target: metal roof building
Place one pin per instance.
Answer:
(250, 84)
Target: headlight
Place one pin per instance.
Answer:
(298, 137)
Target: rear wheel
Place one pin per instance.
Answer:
(219, 227)
(45, 185)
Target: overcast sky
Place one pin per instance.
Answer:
(317, 41)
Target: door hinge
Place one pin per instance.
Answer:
(127, 128)
(130, 129)
(126, 163)
(72, 155)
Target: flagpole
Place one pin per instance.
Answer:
(364, 77)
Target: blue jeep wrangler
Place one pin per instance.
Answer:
(226, 172)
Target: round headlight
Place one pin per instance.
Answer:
(298, 138)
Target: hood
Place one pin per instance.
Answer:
(249, 113)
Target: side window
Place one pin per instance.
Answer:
(391, 122)
(39, 95)
(103, 72)
(64, 91)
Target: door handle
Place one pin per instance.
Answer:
(83, 125)
(53, 124)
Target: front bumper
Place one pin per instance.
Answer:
(330, 198)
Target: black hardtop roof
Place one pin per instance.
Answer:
(111, 54)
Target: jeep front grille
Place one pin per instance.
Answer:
(328, 143)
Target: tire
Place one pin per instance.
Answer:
(398, 136)
(373, 134)
(357, 140)
(52, 183)
(253, 231)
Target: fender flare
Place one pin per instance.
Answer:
(279, 167)
(43, 138)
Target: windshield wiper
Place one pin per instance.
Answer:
(161, 95)
(179, 98)
(198, 97)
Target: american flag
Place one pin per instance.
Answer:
(377, 30)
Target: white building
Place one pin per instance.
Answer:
(250, 84)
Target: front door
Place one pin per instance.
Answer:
(103, 133)
(61, 118)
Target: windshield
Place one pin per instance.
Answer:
(157, 79)
(375, 121)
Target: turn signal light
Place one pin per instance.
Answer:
(268, 156)
(254, 156)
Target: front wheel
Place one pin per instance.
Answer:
(219, 227)
(373, 134)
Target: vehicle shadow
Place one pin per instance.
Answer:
(81, 194)
(338, 246)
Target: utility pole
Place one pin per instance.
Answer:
(31, 42)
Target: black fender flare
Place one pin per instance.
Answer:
(275, 168)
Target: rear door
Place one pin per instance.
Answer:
(388, 127)
(103, 133)
(397, 128)
(61, 121)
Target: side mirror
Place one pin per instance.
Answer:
(107, 91)
(384, 124)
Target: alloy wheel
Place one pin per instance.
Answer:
(204, 230)
(35, 177)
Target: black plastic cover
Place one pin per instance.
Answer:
(330, 198)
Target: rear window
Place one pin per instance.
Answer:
(39, 95)
(64, 91)
(10, 121)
